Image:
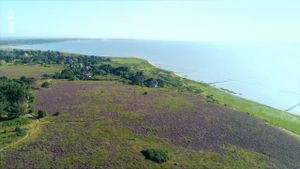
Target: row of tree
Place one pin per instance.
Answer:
(135, 78)
(19, 56)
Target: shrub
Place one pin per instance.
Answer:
(47, 76)
(17, 128)
(46, 84)
(156, 155)
(56, 113)
(67, 74)
(28, 81)
(30, 111)
(42, 113)
(20, 131)
(211, 99)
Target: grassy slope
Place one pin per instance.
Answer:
(271, 115)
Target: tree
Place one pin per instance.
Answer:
(106, 67)
(137, 79)
(152, 83)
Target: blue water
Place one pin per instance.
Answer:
(266, 73)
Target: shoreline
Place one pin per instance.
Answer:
(212, 84)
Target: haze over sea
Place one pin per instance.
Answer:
(266, 73)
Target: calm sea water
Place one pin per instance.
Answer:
(265, 73)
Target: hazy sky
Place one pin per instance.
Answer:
(212, 20)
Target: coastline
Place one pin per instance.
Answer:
(212, 84)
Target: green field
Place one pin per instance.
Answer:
(36, 71)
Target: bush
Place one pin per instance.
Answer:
(42, 113)
(28, 81)
(46, 84)
(67, 74)
(20, 131)
(46, 76)
(56, 113)
(156, 155)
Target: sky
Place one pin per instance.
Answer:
(199, 20)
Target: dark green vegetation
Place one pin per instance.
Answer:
(56, 114)
(45, 84)
(109, 118)
(15, 96)
(20, 131)
(156, 155)
(42, 114)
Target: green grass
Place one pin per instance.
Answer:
(15, 122)
(9, 136)
(36, 71)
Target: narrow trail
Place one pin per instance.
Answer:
(23, 138)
